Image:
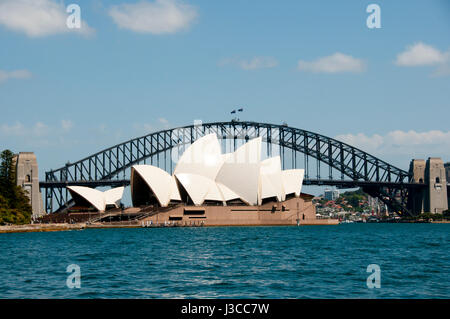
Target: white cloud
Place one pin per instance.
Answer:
(146, 128)
(158, 17)
(259, 62)
(164, 122)
(66, 125)
(38, 18)
(20, 130)
(420, 54)
(40, 129)
(32, 136)
(143, 128)
(402, 145)
(17, 74)
(362, 141)
(335, 63)
(16, 129)
(102, 128)
(443, 69)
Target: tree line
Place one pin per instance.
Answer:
(15, 205)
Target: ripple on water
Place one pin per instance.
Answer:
(230, 262)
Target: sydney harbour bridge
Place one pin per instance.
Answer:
(326, 162)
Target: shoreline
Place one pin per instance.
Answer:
(81, 226)
(29, 228)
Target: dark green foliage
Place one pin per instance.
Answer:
(15, 207)
(430, 216)
(354, 198)
(446, 214)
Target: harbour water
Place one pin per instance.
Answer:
(230, 262)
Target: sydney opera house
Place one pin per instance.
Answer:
(210, 188)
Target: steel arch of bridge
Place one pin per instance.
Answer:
(376, 176)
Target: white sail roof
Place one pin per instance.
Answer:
(97, 198)
(271, 183)
(93, 196)
(292, 181)
(227, 193)
(159, 181)
(214, 193)
(206, 174)
(200, 188)
(113, 196)
(203, 158)
(240, 171)
(174, 193)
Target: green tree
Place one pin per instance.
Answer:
(15, 205)
(7, 174)
(430, 216)
(446, 214)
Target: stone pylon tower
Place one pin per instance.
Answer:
(436, 196)
(432, 198)
(416, 200)
(27, 176)
(447, 175)
(447, 171)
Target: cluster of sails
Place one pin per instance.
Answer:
(204, 174)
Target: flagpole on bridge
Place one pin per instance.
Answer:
(234, 112)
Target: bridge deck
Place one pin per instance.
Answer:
(319, 182)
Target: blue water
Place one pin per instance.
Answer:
(230, 262)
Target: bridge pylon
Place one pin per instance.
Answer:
(433, 197)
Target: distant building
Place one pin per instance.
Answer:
(331, 194)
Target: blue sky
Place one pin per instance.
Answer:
(136, 67)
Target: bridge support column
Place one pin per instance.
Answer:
(447, 176)
(416, 197)
(436, 200)
(432, 198)
(28, 178)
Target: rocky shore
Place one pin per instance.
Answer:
(40, 228)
